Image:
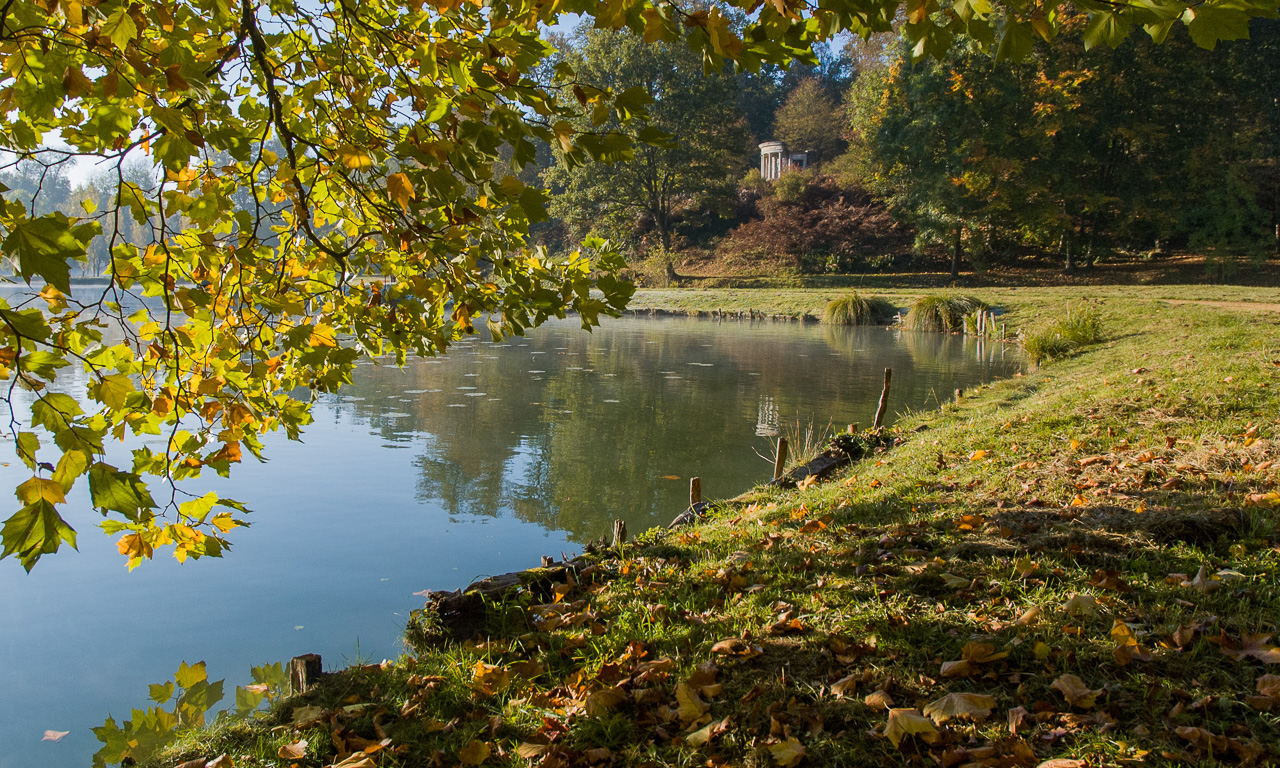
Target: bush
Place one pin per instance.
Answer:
(853, 309)
(834, 229)
(791, 186)
(942, 313)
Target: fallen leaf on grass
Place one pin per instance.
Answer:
(1030, 616)
(358, 760)
(1081, 605)
(1062, 762)
(1075, 691)
(600, 703)
(967, 706)
(529, 751)
(304, 716)
(707, 733)
(960, 668)
(846, 686)
(1254, 646)
(878, 699)
(295, 751)
(1203, 582)
(1105, 579)
(691, 706)
(909, 722)
(1268, 693)
(736, 647)
(475, 753)
(1020, 720)
(488, 679)
(787, 754)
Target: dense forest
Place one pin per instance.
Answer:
(1077, 154)
(1074, 155)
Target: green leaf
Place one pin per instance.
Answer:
(1016, 40)
(122, 492)
(161, 693)
(43, 246)
(190, 674)
(114, 390)
(197, 509)
(29, 323)
(28, 444)
(71, 466)
(1214, 21)
(54, 411)
(1106, 27)
(120, 28)
(34, 531)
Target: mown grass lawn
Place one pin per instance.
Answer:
(1075, 565)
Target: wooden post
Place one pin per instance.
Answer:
(959, 394)
(619, 532)
(304, 670)
(1003, 331)
(780, 458)
(884, 399)
(853, 429)
(695, 490)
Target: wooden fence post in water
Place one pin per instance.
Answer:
(619, 532)
(884, 399)
(780, 458)
(695, 490)
(304, 670)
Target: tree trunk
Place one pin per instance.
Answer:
(1070, 267)
(957, 250)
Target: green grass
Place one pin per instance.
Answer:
(1050, 515)
(855, 309)
(942, 312)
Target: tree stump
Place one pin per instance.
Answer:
(304, 671)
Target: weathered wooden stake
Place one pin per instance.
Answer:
(884, 399)
(695, 490)
(1003, 329)
(304, 670)
(780, 458)
(959, 394)
(853, 429)
(619, 532)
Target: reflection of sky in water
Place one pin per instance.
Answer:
(429, 477)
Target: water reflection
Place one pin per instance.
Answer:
(570, 430)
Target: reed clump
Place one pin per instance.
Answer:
(1078, 327)
(855, 309)
(942, 313)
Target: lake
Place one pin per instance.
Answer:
(430, 477)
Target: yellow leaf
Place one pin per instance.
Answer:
(968, 706)
(1123, 634)
(38, 488)
(977, 455)
(909, 722)
(353, 158)
(787, 754)
(691, 706)
(489, 678)
(400, 189)
(475, 752)
(322, 336)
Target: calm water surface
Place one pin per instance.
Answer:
(431, 477)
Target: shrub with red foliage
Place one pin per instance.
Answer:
(831, 228)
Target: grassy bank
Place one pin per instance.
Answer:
(1076, 564)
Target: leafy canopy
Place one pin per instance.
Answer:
(325, 187)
